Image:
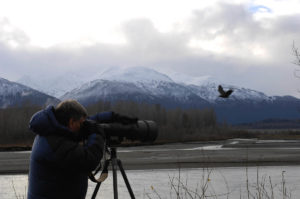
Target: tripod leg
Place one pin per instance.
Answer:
(126, 179)
(106, 163)
(96, 190)
(115, 180)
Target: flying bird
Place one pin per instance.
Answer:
(224, 94)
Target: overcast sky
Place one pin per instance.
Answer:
(245, 43)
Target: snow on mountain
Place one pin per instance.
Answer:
(102, 88)
(206, 87)
(12, 93)
(96, 90)
(248, 94)
(209, 92)
(189, 80)
(167, 89)
(8, 88)
(138, 80)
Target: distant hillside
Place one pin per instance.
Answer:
(145, 85)
(244, 105)
(272, 124)
(15, 94)
(168, 94)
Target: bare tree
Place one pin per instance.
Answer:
(296, 53)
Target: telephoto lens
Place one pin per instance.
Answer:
(145, 131)
(142, 130)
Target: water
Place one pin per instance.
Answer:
(224, 182)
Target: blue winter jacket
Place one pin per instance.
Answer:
(59, 163)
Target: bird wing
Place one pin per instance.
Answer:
(229, 92)
(221, 91)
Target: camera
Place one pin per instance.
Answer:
(115, 133)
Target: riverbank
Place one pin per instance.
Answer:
(234, 152)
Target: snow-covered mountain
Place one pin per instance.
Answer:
(147, 85)
(160, 85)
(169, 94)
(59, 85)
(15, 94)
(151, 81)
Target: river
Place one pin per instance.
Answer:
(219, 168)
(220, 182)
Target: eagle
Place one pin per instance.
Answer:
(224, 94)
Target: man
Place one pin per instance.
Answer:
(59, 162)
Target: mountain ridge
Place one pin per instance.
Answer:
(16, 94)
(146, 85)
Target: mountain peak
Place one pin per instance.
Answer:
(134, 74)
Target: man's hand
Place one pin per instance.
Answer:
(89, 127)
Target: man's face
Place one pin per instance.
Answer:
(75, 125)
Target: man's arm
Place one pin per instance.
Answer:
(71, 155)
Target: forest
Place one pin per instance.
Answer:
(174, 125)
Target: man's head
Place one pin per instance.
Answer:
(71, 114)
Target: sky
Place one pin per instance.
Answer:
(245, 43)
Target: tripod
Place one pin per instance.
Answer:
(114, 163)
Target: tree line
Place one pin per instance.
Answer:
(14, 125)
(174, 124)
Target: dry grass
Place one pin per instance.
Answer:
(18, 195)
(262, 188)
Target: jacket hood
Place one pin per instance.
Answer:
(44, 123)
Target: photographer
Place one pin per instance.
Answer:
(60, 162)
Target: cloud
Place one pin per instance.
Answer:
(12, 36)
(148, 44)
(224, 41)
(231, 28)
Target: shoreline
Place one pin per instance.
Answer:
(229, 153)
(184, 165)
